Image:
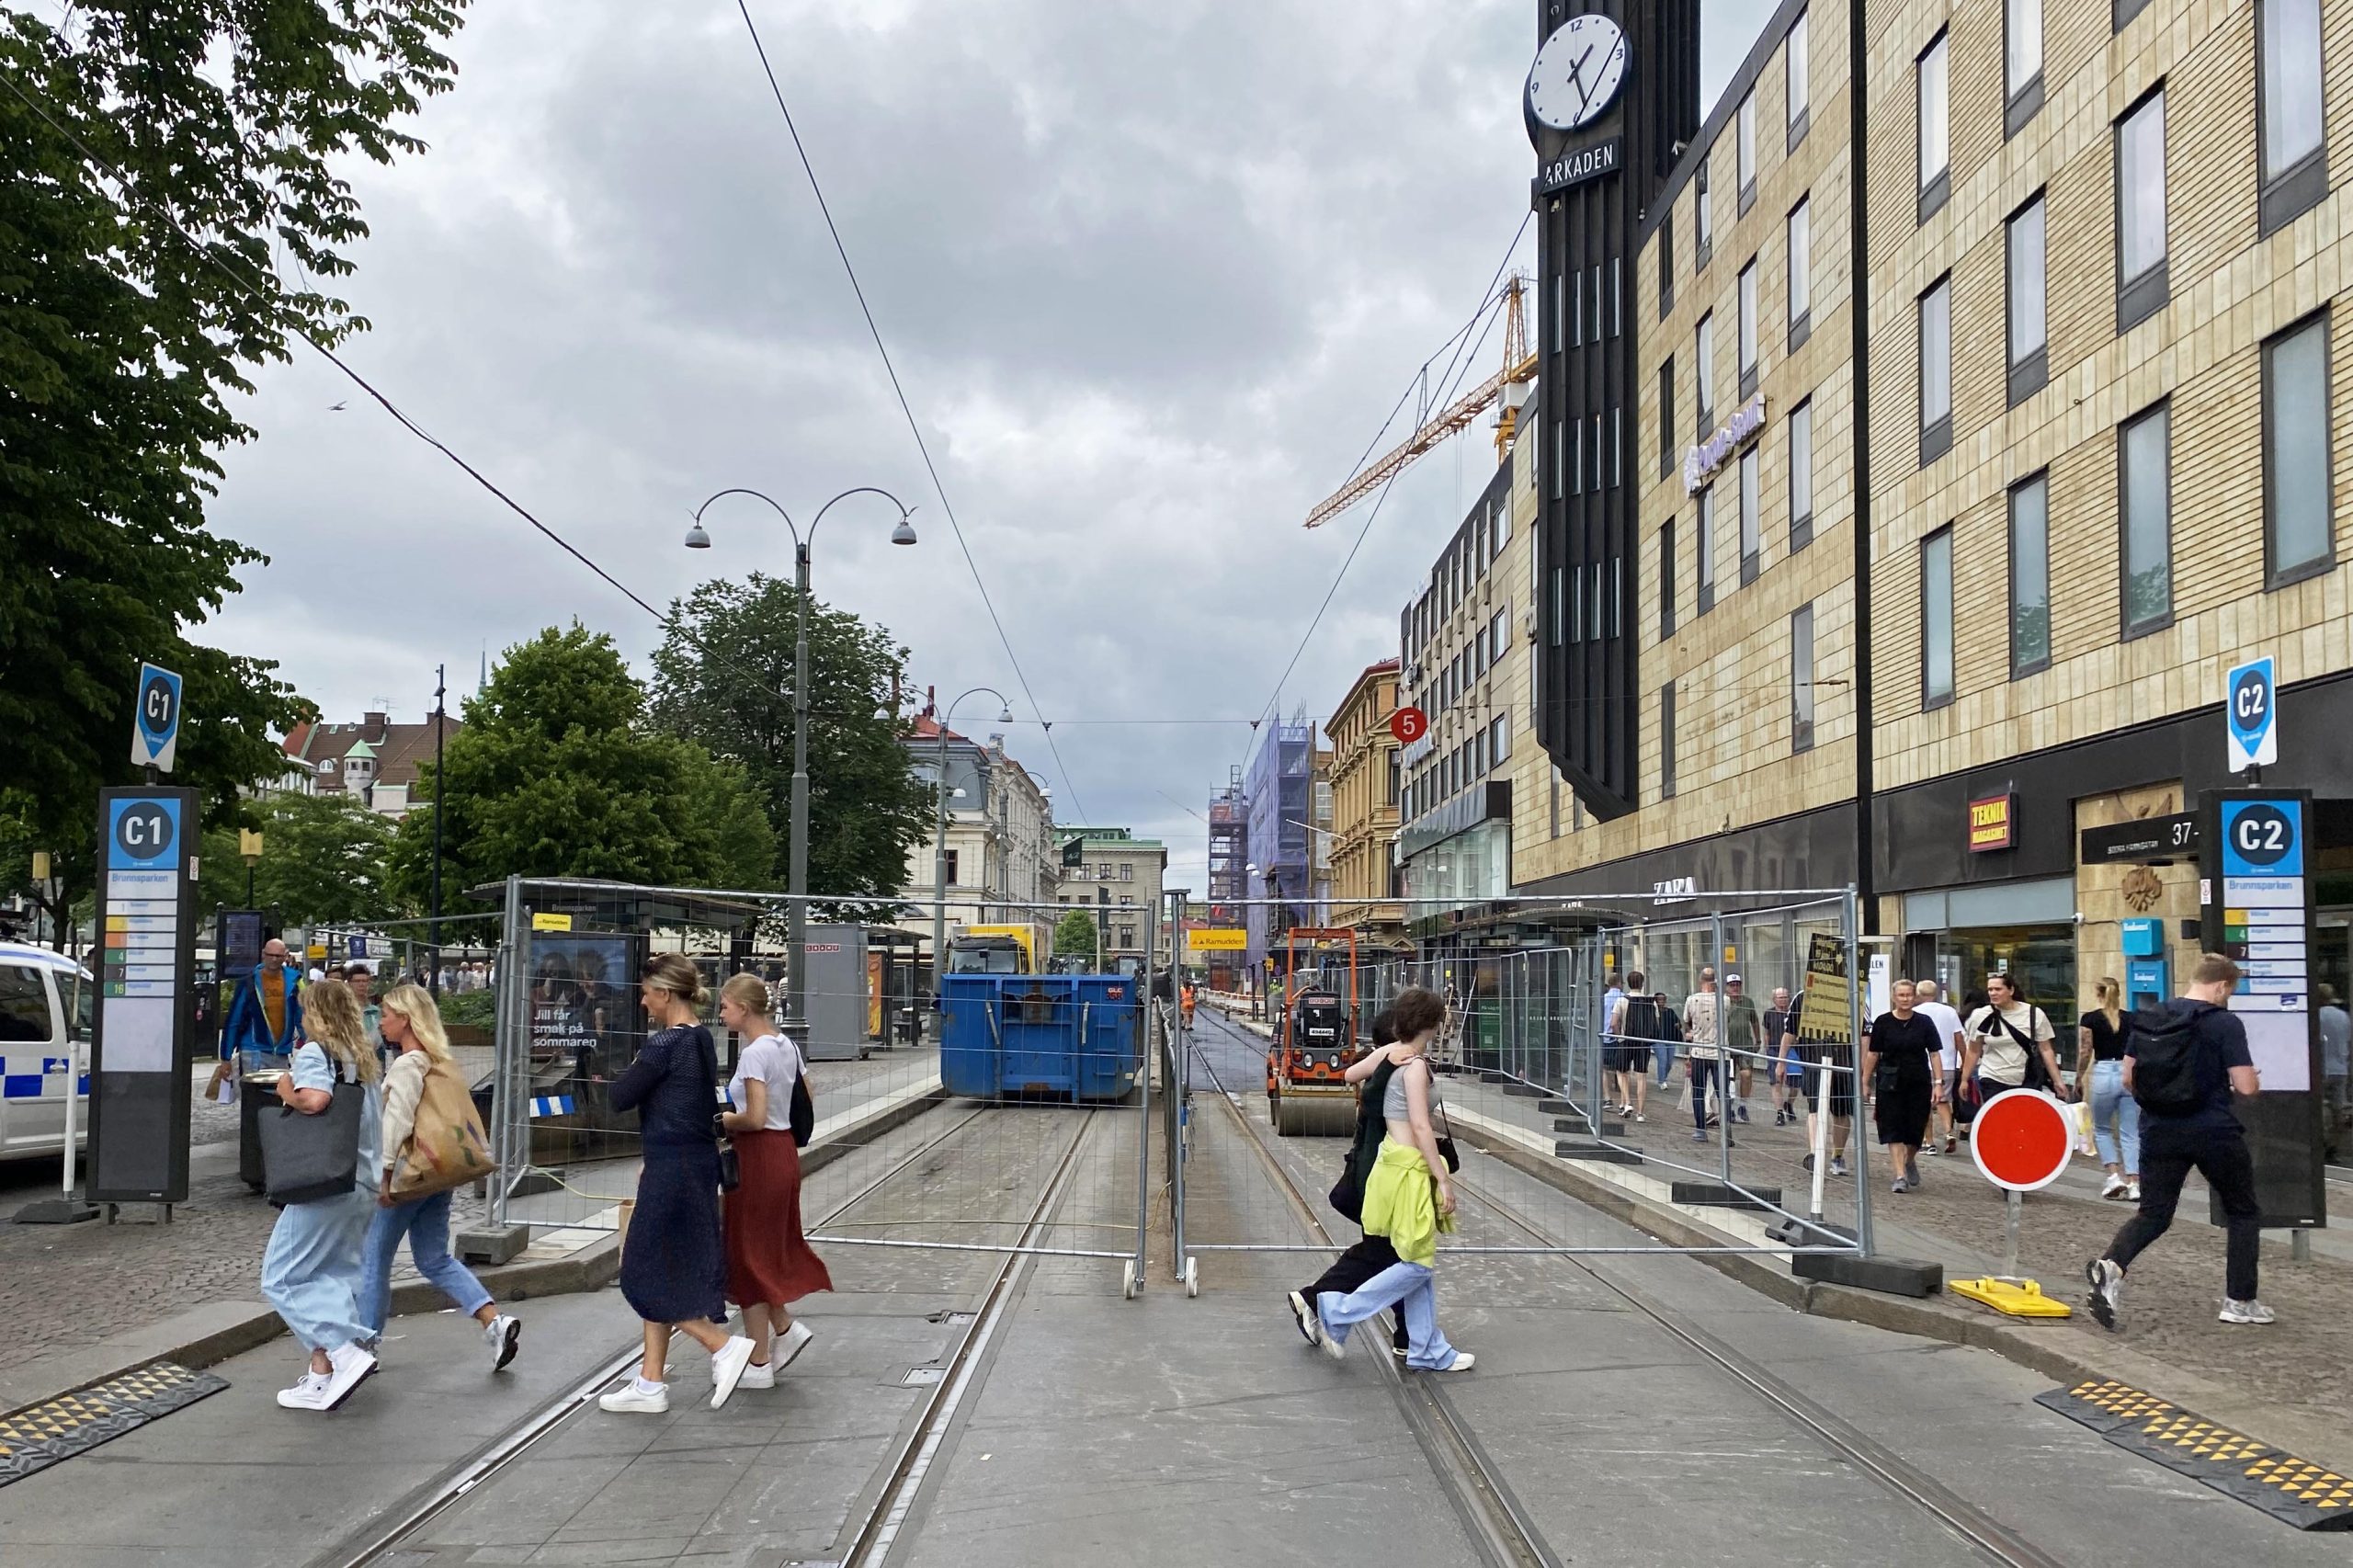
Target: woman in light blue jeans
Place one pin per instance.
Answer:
(2099, 1079)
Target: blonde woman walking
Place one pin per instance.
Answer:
(412, 1027)
(769, 1264)
(674, 1268)
(2099, 1078)
(310, 1271)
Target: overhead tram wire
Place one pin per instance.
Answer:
(1457, 367)
(207, 256)
(914, 428)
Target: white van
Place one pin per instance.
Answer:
(46, 1000)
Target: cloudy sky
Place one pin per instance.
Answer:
(1152, 274)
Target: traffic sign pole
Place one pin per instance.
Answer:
(2020, 1141)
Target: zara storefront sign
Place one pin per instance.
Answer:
(1674, 890)
(1575, 167)
(1701, 461)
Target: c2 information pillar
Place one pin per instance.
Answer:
(139, 1071)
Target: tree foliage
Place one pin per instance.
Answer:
(1074, 935)
(323, 860)
(120, 335)
(557, 772)
(723, 677)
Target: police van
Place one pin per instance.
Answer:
(46, 1000)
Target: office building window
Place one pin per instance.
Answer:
(1747, 295)
(1560, 312)
(1560, 458)
(1936, 619)
(2298, 501)
(1703, 371)
(1576, 458)
(1127, 937)
(1128, 871)
(1796, 73)
(2290, 107)
(1801, 476)
(1667, 264)
(1616, 297)
(1667, 741)
(1704, 544)
(1744, 150)
(1801, 234)
(2021, 63)
(1936, 370)
(952, 879)
(2029, 356)
(2141, 211)
(1752, 528)
(1667, 579)
(2144, 454)
(1703, 215)
(1499, 634)
(2031, 576)
(1802, 679)
(1559, 592)
(1499, 739)
(1933, 132)
(1503, 526)
(1665, 417)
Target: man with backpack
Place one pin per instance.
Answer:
(2183, 1063)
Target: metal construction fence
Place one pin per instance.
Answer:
(993, 1108)
(1730, 1094)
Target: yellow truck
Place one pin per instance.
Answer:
(993, 949)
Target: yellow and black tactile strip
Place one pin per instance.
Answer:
(42, 1435)
(2304, 1494)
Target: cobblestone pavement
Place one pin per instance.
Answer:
(2305, 1361)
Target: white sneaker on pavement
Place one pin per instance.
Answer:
(2246, 1312)
(309, 1393)
(1464, 1361)
(1304, 1315)
(2107, 1289)
(353, 1367)
(503, 1335)
(630, 1398)
(727, 1364)
(757, 1376)
(791, 1343)
(2132, 1191)
(2114, 1186)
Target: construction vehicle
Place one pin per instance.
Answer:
(1307, 1090)
(992, 949)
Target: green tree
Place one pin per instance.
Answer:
(130, 307)
(723, 677)
(323, 860)
(557, 772)
(1074, 935)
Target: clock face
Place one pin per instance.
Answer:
(1577, 73)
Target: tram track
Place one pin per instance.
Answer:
(905, 1474)
(1974, 1525)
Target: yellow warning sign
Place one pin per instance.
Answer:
(1213, 939)
(551, 922)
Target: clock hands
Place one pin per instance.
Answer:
(1576, 77)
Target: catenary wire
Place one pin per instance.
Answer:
(906, 409)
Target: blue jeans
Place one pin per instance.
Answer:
(1663, 1059)
(1703, 1075)
(2110, 1101)
(1411, 1288)
(426, 1223)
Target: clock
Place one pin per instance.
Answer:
(1577, 73)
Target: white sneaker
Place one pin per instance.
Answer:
(353, 1367)
(791, 1343)
(502, 1335)
(1324, 1339)
(757, 1376)
(2107, 1289)
(2114, 1186)
(2132, 1191)
(1464, 1361)
(1838, 1165)
(2246, 1312)
(630, 1400)
(1304, 1315)
(727, 1364)
(309, 1393)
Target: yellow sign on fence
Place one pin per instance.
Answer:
(551, 922)
(1208, 940)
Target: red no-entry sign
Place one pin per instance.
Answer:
(2021, 1140)
(1409, 724)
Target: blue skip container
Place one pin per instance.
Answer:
(1070, 1037)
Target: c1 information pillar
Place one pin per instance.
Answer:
(139, 1068)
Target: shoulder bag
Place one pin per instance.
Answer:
(306, 1158)
(447, 1147)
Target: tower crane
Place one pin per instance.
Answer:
(1508, 383)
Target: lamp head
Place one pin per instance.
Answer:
(1004, 715)
(904, 533)
(696, 538)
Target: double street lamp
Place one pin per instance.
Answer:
(940, 844)
(796, 995)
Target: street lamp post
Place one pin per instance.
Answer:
(939, 842)
(796, 940)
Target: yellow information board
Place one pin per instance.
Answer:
(1217, 940)
(551, 922)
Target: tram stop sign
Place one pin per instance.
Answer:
(2021, 1140)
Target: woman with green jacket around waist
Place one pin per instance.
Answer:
(1407, 1199)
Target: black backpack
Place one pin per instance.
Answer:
(2165, 1055)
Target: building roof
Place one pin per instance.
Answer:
(1106, 838)
(397, 748)
(926, 728)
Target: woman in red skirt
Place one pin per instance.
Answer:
(769, 1264)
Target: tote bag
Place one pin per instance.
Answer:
(447, 1147)
(306, 1158)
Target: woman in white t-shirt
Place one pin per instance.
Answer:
(769, 1263)
(2007, 1039)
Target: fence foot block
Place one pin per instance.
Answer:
(1796, 1233)
(1716, 1195)
(1571, 1148)
(1522, 1091)
(1583, 1126)
(1891, 1276)
(493, 1243)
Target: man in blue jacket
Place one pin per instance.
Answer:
(266, 1016)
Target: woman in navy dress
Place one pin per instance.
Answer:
(674, 1265)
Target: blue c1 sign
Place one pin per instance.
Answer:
(156, 733)
(2250, 712)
